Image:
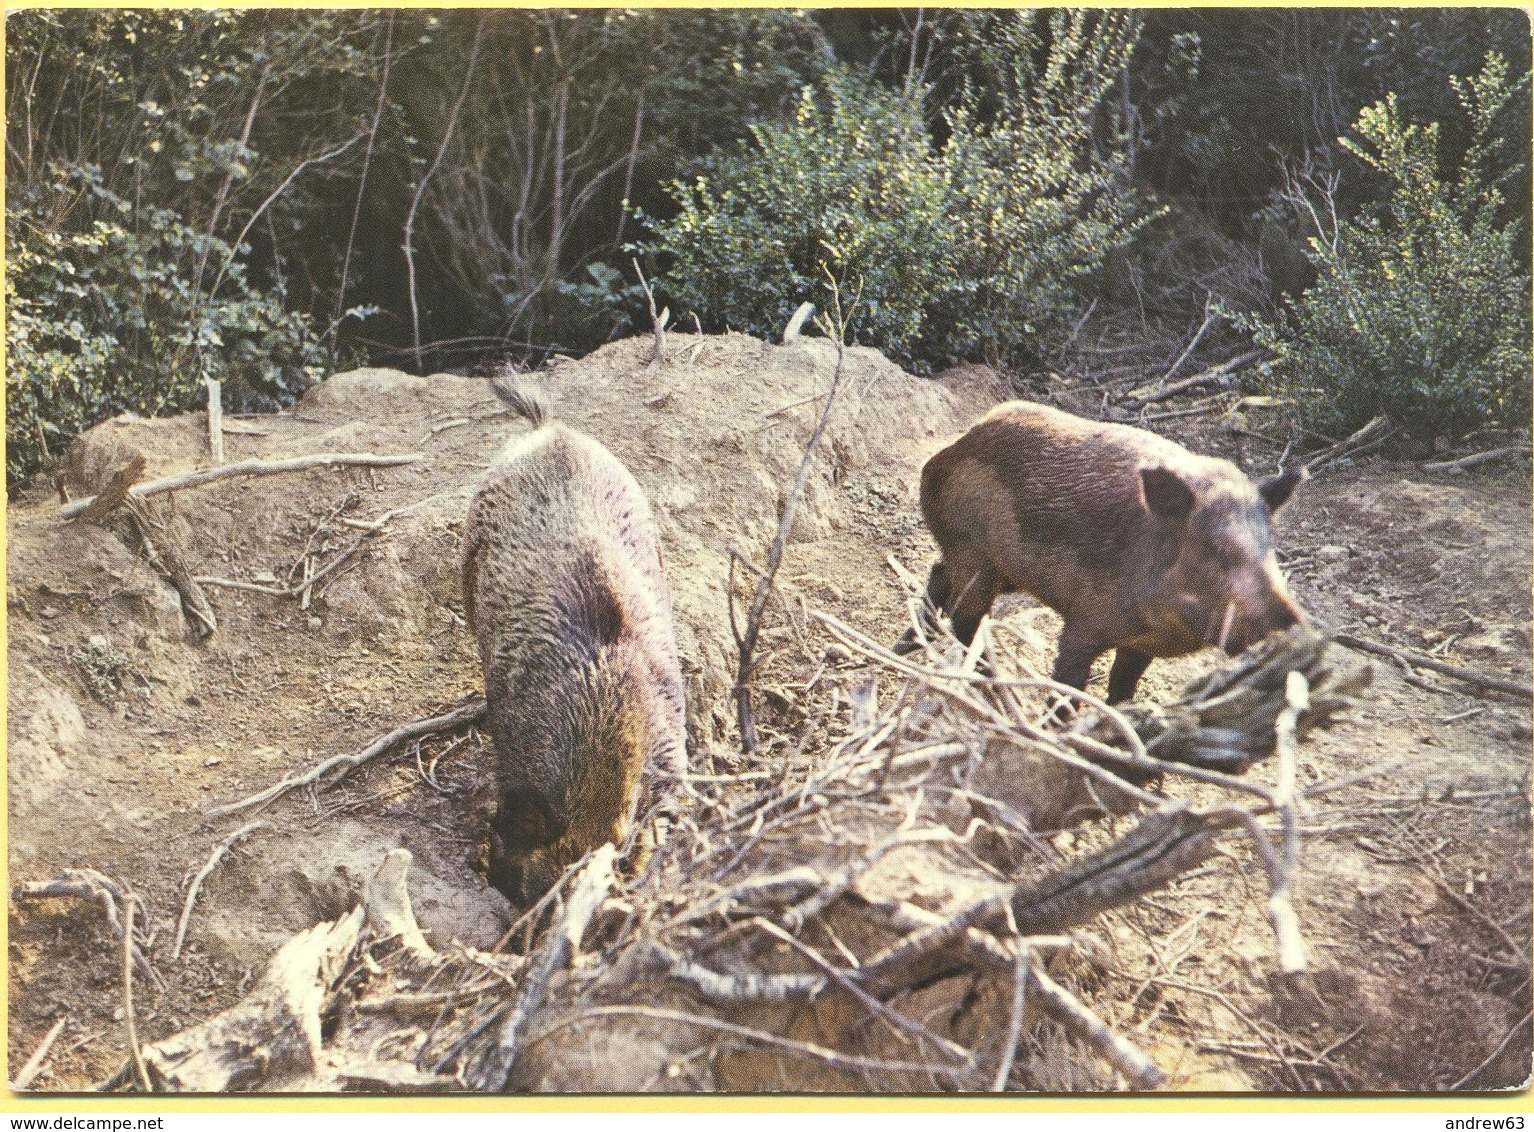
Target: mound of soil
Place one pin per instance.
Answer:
(124, 733)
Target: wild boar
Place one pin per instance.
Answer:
(566, 596)
(1139, 544)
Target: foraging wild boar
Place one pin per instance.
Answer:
(1139, 544)
(567, 598)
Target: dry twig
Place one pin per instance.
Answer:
(564, 944)
(1015, 1020)
(1417, 660)
(834, 324)
(1496, 1053)
(469, 712)
(1119, 1052)
(1478, 458)
(129, 1020)
(34, 1063)
(203, 874)
(657, 321)
(245, 468)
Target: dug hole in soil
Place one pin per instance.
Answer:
(1414, 888)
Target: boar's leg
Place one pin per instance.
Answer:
(964, 603)
(1078, 649)
(1128, 666)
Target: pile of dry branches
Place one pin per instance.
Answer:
(878, 918)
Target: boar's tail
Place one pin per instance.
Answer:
(523, 400)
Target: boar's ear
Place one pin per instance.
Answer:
(1166, 493)
(1275, 490)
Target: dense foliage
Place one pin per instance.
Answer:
(1421, 308)
(849, 194)
(968, 246)
(259, 195)
(137, 153)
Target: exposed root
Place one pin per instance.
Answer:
(88, 884)
(339, 765)
(203, 874)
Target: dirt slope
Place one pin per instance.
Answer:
(123, 733)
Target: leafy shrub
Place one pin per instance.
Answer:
(852, 186)
(131, 216)
(102, 317)
(1420, 309)
(1036, 201)
(971, 247)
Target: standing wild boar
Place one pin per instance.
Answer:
(1140, 545)
(567, 597)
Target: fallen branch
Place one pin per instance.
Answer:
(1417, 660)
(203, 874)
(1209, 319)
(386, 900)
(271, 1036)
(893, 965)
(564, 943)
(246, 468)
(1214, 375)
(736, 989)
(1015, 1020)
(469, 712)
(111, 497)
(165, 556)
(847, 980)
(1478, 458)
(1161, 848)
(1371, 436)
(1119, 1052)
(1281, 915)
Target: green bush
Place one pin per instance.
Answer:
(101, 318)
(1039, 190)
(974, 247)
(852, 186)
(1421, 309)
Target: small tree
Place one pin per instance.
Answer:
(1421, 309)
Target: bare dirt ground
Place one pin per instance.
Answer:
(1414, 894)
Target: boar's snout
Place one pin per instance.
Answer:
(522, 876)
(1247, 623)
